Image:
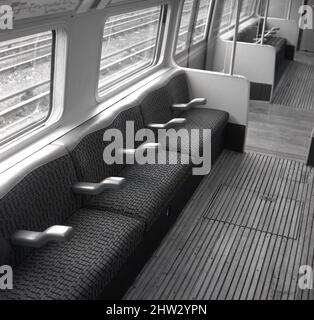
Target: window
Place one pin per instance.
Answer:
(186, 20)
(129, 45)
(279, 8)
(201, 23)
(25, 81)
(247, 9)
(228, 15)
(193, 8)
(228, 18)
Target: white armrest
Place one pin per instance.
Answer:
(86, 188)
(39, 239)
(171, 124)
(192, 104)
(145, 146)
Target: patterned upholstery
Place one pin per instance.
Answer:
(81, 267)
(155, 106)
(88, 154)
(248, 34)
(276, 42)
(215, 120)
(179, 89)
(109, 227)
(42, 199)
(148, 191)
(201, 118)
(280, 46)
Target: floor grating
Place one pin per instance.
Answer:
(244, 235)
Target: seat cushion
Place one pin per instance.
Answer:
(276, 42)
(147, 193)
(216, 120)
(81, 267)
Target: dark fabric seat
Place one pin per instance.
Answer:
(276, 42)
(148, 188)
(87, 156)
(148, 191)
(41, 199)
(215, 120)
(280, 45)
(81, 267)
(201, 119)
(76, 269)
(109, 227)
(156, 108)
(248, 34)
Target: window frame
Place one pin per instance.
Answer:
(204, 37)
(190, 40)
(57, 82)
(120, 83)
(241, 21)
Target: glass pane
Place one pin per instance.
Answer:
(182, 42)
(247, 9)
(25, 80)
(129, 45)
(228, 15)
(278, 8)
(199, 33)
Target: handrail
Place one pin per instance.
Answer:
(265, 21)
(289, 9)
(235, 37)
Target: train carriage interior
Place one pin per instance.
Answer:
(157, 150)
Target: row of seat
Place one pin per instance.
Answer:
(109, 227)
(249, 34)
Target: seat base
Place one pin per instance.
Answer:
(119, 286)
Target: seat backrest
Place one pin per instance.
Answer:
(87, 146)
(156, 100)
(178, 88)
(156, 106)
(35, 194)
(248, 34)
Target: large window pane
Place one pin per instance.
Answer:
(182, 42)
(247, 9)
(200, 8)
(228, 15)
(201, 24)
(129, 45)
(25, 81)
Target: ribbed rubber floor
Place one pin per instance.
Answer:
(295, 88)
(244, 235)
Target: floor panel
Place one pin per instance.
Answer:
(279, 130)
(244, 235)
(295, 88)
